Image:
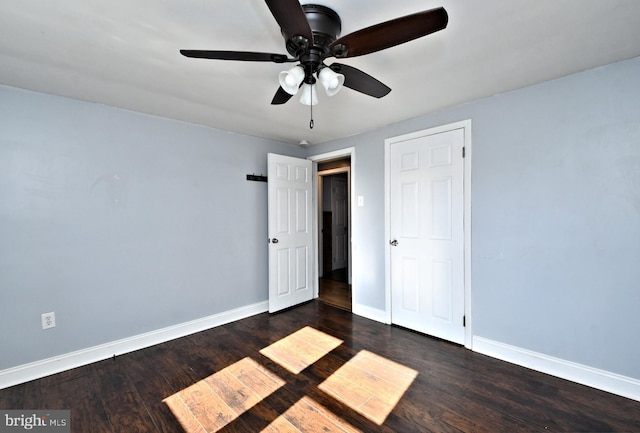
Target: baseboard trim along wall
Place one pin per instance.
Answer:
(600, 379)
(35, 370)
(585, 375)
(593, 377)
(370, 313)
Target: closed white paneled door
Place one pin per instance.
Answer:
(427, 234)
(290, 231)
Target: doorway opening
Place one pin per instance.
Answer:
(334, 232)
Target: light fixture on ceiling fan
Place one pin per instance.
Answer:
(295, 78)
(311, 33)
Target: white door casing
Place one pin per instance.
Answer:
(426, 228)
(290, 231)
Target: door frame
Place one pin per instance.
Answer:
(465, 125)
(315, 159)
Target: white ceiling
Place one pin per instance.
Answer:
(125, 54)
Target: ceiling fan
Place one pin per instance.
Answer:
(311, 34)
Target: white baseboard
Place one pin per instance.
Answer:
(370, 313)
(585, 375)
(57, 364)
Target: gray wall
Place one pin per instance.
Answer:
(87, 191)
(555, 215)
(121, 223)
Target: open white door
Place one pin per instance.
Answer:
(290, 231)
(427, 234)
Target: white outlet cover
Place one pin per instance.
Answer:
(48, 320)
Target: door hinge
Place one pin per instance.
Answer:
(463, 152)
(464, 321)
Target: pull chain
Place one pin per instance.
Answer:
(311, 105)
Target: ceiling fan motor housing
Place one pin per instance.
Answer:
(325, 25)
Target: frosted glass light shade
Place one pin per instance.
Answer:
(309, 94)
(290, 80)
(331, 81)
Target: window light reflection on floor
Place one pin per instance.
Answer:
(301, 349)
(214, 402)
(370, 384)
(309, 416)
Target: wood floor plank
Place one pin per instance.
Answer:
(12, 397)
(123, 406)
(233, 392)
(335, 293)
(170, 375)
(370, 384)
(260, 381)
(75, 390)
(281, 425)
(207, 407)
(309, 417)
(301, 349)
(183, 414)
(286, 355)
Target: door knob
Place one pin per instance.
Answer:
(393, 243)
(274, 241)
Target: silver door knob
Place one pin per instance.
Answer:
(274, 241)
(393, 243)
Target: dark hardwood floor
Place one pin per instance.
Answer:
(455, 390)
(335, 289)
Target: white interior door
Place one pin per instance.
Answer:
(290, 231)
(427, 234)
(340, 221)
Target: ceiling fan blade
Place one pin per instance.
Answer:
(291, 18)
(281, 97)
(390, 33)
(247, 56)
(360, 81)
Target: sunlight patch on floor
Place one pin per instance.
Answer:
(214, 402)
(370, 384)
(301, 349)
(309, 416)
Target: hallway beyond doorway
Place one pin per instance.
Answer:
(334, 232)
(335, 290)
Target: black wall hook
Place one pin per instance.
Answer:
(257, 178)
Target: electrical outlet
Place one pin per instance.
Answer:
(48, 320)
